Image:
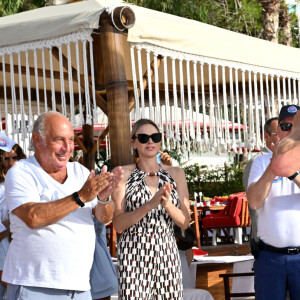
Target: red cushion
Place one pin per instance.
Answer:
(229, 217)
(222, 221)
(236, 207)
(198, 252)
(227, 207)
(220, 199)
(240, 194)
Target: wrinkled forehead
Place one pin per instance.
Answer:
(287, 120)
(58, 126)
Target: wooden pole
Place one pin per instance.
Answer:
(88, 142)
(116, 91)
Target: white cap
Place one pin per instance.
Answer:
(6, 143)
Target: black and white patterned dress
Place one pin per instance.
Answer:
(148, 260)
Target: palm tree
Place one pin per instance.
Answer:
(285, 25)
(9, 7)
(270, 19)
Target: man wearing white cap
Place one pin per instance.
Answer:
(6, 143)
(277, 267)
(10, 153)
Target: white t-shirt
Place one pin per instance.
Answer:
(279, 217)
(56, 256)
(2, 206)
(4, 244)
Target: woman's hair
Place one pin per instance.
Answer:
(20, 155)
(135, 128)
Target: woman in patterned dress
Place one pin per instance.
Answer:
(151, 199)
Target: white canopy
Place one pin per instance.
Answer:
(196, 67)
(51, 21)
(154, 27)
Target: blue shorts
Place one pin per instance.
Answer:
(20, 292)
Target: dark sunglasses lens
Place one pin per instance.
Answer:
(286, 126)
(143, 138)
(156, 137)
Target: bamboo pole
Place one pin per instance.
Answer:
(88, 142)
(131, 101)
(116, 91)
(80, 144)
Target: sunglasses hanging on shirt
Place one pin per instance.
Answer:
(286, 126)
(144, 138)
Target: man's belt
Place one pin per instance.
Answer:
(287, 250)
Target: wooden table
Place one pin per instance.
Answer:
(199, 210)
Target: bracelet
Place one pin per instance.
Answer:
(77, 199)
(293, 176)
(104, 202)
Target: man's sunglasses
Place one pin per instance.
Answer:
(286, 126)
(144, 138)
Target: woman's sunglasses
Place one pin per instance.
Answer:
(286, 126)
(144, 138)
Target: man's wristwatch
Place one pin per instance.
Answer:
(293, 176)
(77, 199)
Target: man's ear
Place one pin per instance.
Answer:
(37, 139)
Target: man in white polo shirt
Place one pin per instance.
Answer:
(277, 267)
(51, 203)
(271, 137)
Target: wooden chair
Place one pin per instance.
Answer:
(240, 231)
(195, 224)
(227, 289)
(228, 218)
(111, 237)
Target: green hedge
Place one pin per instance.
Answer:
(218, 181)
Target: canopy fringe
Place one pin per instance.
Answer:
(61, 69)
(240, 99)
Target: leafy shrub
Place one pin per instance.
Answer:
(218, 181)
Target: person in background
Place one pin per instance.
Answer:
(10, 153)
(150, 200)
(277, 266)
(103, 277)
(271, 138)
(52, 203)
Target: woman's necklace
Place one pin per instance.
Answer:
(149, 173)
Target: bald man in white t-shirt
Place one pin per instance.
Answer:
(51, 203)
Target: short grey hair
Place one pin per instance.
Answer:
(39, 125)
(267, 126)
